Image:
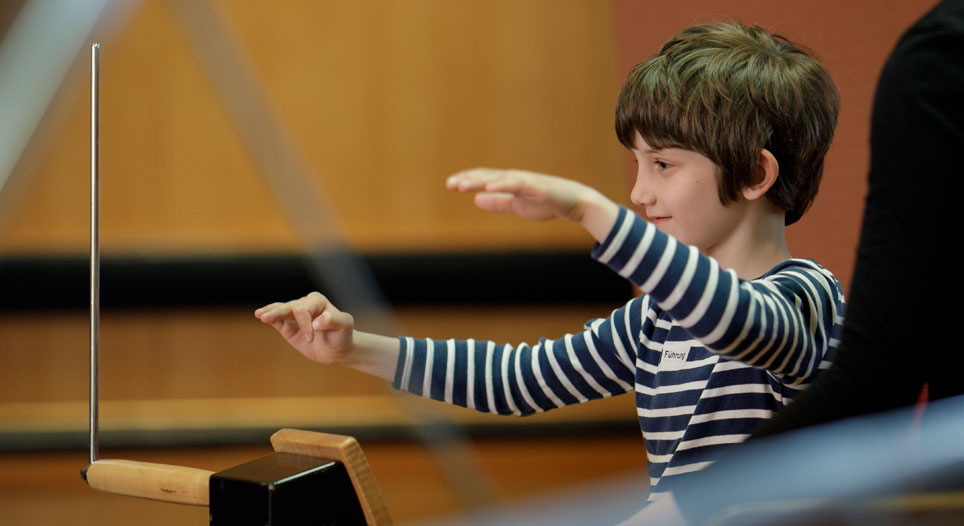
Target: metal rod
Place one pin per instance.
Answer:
(94, 244)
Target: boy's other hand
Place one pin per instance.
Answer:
(313, 326)
(537, 196)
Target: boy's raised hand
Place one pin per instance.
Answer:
(527, 194)
(537, 196)
(313, 326)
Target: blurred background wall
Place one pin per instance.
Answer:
(381, 100)
(384, 99)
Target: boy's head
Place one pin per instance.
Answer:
(728, 91)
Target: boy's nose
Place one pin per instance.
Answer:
(642, 194)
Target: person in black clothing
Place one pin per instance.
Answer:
(903, 304)
(900, 329)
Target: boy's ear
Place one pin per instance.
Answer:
(767, 171)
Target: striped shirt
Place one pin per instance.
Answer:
(708, 355)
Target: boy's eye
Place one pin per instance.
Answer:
(662, 165)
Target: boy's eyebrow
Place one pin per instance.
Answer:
(648, 150)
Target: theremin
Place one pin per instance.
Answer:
(311, 478)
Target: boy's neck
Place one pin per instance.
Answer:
(757, 244)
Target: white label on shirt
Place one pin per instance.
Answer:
(673, 357)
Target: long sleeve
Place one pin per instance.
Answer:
(783, 322)
(709, 356)
(504, 379)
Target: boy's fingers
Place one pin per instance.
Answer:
(279, 326)
(270, 313)
(474, 179)
(303, 317)
(507, 186)
(297, 313)
(516, 182)
(333, 320)
(463, 183)
(259, 313)
(494, 202)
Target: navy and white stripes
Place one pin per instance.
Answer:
(505, 380)
(772, 334)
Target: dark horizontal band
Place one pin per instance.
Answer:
(125, 438)
(250, 280)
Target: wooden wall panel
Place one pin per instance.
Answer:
(385, 99)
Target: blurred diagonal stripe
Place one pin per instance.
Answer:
(35, 56)
(271, 146)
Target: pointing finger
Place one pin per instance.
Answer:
(275, 311)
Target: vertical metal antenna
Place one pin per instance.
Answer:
(94, 243)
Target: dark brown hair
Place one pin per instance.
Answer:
(727, 91)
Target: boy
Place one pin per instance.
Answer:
(729, 126)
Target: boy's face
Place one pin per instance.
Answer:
(678, 190)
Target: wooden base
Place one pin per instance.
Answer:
(185, 485)
(146, 480)
(346, 450)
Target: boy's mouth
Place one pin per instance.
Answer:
(658, 220)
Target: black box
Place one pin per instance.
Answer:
(284, 489)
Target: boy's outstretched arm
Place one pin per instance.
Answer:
(538, 197)
(321, 332)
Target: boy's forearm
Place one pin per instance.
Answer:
(373, 354)
(598, 214)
